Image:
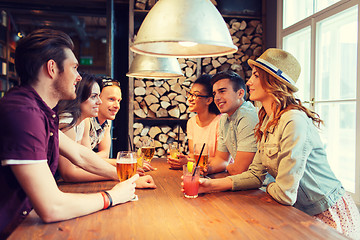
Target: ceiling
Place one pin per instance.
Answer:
(78, 18)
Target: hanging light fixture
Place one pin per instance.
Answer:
(153, 67)
(183, 28)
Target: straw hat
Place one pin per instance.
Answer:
(280, 64)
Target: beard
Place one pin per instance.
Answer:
(63, 89)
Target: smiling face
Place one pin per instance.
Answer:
(110, 97)
(226, 99)
(256, 90)
(66, 81)
(90, 107)
(200, 103)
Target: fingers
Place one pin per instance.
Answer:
(140, 171)
(175, 166)
(147, 166)
(145, 182)
(134, 178)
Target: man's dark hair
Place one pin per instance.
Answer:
(204, 80)
(237, 81)
(38, 48)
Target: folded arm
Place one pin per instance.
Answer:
(85, 158)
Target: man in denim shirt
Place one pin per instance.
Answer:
(236, 127)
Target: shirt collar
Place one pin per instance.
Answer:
(236, 114)
(267, 119)
(47, 110)
(100, 126)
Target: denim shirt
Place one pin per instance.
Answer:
(295, 156)
(236, 132)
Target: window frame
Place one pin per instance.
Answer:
(312, 21)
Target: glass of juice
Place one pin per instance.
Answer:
(148, 149)
(174, 150)
(204, 156)
(126, 165)
(191, 181)
(139, 158)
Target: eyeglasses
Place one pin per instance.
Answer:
(110, 82)
(195, 95)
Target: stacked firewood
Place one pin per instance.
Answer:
(163, 136)
(164, 98)
(144, 4)
(247, 36)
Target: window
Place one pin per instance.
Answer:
(323, 36)
(299, 10)
(298, 44)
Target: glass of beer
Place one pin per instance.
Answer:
(204, 156)
(126, 165)
(148, 149)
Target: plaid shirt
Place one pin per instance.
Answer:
(97, 131)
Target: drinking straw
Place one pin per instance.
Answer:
(197, 162)
(131, 145)
(178, 136)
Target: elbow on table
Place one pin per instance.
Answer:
(68, 177)
(284, 198)
(51, 214)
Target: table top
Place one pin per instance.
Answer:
(164, 213)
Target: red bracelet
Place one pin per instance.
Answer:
(106, 200)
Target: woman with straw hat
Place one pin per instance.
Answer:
(290, 149)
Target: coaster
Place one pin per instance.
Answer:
(135, 198)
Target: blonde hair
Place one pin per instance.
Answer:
(284, 100)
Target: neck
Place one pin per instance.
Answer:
(241, 101)
(81, 118)
(101, 119)
(204, 118)
(46, 92)
(268, 106)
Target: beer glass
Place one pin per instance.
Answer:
(148, 149)
(204, 156)
(126, 165)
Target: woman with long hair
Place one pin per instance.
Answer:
(203, 127)
(290, 149)
(74, 122)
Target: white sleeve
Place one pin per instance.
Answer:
(8, 162)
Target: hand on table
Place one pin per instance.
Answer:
(145, 182)
(206, 170)
(140, 171)
(177, 163)
(147, 167)
(124, 191)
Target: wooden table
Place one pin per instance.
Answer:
(164, 213)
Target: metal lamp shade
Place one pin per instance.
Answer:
(183, 28)
(155, 68)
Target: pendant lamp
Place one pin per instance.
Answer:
(155, 68)
(183, 28)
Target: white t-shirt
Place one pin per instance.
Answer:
(79, 129)
(207, 134)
